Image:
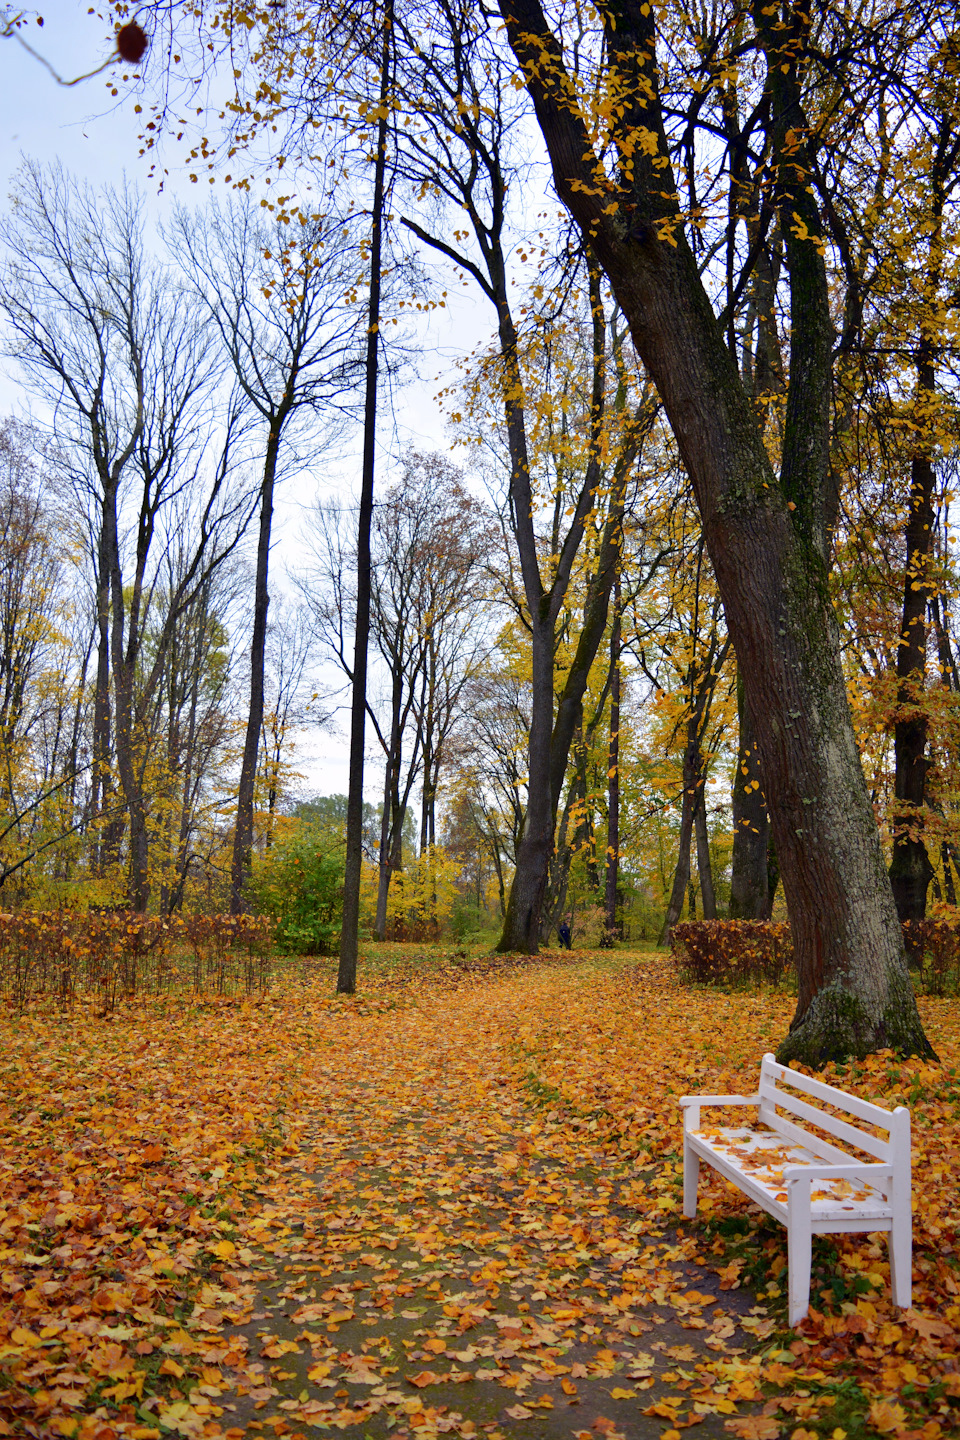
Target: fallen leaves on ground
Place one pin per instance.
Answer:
(461, 1178)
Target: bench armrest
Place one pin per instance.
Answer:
(715, 1100)
(875, 1171)
(691, 1106)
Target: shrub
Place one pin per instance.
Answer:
(64, 956)
(422, 897)
(933, 948)
(299, 883)
(717, 952)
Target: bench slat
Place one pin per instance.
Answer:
(829, 1153)
(831, 1123)
(863, 1109)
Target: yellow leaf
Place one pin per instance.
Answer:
(886, 1416)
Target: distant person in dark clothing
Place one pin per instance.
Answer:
(564, 934)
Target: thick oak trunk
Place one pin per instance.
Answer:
(764, 534)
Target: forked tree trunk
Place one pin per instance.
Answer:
(764, 533)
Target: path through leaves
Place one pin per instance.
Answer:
(448, 1206)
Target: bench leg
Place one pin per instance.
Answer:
(900, 1244)
(799, 1250)
(691, 1175)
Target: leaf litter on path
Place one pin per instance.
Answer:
(454, 1204)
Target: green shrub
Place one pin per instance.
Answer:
(300, 884)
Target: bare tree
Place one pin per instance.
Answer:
(428, 543)
(290, 702)
(129, 369)
(278, 297)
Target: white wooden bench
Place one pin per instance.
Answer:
(802, 1179)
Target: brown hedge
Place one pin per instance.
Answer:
(64, 956)
(717, 952)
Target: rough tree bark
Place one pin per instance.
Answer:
(910, 868)
(750, 897)
(764, 533)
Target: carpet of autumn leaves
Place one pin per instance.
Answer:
(192, 1192)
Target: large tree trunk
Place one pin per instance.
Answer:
(765, 535)
(750, 897)
(910, 868)
(521, 926)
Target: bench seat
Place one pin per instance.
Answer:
(754, 1160)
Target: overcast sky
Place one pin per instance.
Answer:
(95, 137)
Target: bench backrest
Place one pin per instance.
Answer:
(895, 1149)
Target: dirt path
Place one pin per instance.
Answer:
(456, 1259)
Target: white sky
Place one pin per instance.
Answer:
(95, 137)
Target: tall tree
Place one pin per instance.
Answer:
(910, 868)
(428, 541)
(765, 532)
(350, 927)
(276, 295)
(130, 371)
(611, 889)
